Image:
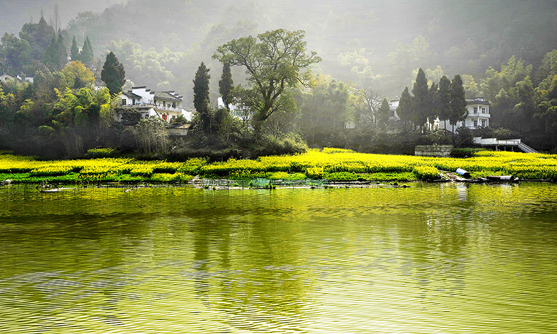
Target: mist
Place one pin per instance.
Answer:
(369, 43)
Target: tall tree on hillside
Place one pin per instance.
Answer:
(201, 98)
(421, 101)
(444, 99)
(113, 74)
(87, 51)
(61, 52)
(274, 61)
(458, 111)
(404, 109)
(51, 55)
(226, 84)
(74, 50)
(38, 35)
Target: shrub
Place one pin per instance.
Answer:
(96, 153)
(426, 173)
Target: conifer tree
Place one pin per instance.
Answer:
(226, 84)
(61, 53)
(87, 51)
(74, 51)
(458, 111)
(50, 55)
(444, 99)
(113, 74)
(201, 96)
(404, 108)
(384, 112)
(421, 100)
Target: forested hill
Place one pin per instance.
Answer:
(373, 43)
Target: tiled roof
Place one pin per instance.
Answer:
(132, 95)
(169, 96)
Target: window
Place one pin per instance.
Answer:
(173, 104)
(475, 124)
(475, 110)
(483, 110)
(124, 102)
(484, 122)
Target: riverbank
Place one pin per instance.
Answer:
(328, 166)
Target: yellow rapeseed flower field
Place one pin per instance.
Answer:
(329, 163)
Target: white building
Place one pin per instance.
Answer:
(478, 116)
(165, 105)
(235, 111)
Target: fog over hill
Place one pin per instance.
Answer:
(369, 43)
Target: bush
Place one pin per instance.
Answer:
(465, 152)
(95, 153)
(426, 173)
(271, 145)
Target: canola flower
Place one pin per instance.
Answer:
(330, 163)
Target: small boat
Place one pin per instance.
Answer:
(500, 178)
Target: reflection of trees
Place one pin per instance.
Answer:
(258, 277)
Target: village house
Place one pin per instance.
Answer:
(166, 105)
(478, 115)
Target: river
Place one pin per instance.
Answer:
(449, 258)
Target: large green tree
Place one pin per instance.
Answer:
(113, 74)
(274, 61)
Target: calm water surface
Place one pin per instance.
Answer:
(428, 259)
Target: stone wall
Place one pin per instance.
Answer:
(433, 150)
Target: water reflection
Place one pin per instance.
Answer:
(425, 259)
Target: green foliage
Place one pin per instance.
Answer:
(426, 173)
(86, 55)
(465, 152)
(226, 85)
(273, 61)
(74, 50)
(201, 99)
(421, 102)
(113, 74)
(96, 153)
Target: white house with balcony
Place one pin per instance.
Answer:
(166, 105)
(478, 115)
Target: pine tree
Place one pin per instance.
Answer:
(50, 54)
(226, 84)
(61, 53)
(201, 96)
(384, 112)
(421, 100)
(458, 109)
(113, 74)
(87, 51)
(74, 51)
(404, 108)
(444, 99)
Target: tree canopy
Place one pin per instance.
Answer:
(274, 61)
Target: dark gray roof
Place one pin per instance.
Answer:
(478, 100)
(132, 95)
(168, 96)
